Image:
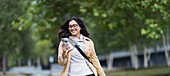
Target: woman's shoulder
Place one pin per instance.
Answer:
(88, 39)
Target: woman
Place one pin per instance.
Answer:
(69, 57)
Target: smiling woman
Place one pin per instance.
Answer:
(69, 57)
(74, 29)
(69, 24)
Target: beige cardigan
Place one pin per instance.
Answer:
(90, 53)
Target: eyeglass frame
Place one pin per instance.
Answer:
(73, 26)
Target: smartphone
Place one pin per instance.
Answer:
(64, 40)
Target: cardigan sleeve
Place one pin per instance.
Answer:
(61, 60)
(95, 61)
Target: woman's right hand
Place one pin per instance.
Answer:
(66, 48)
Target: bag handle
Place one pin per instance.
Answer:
(77, 47)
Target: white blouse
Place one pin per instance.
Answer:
(78, 65)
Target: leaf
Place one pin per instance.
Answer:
(152, 35)
(112, 25)
(123, 21)
(143, 3)
(164, 1)
(152, 25)
(95, 12)
(143, 31)
(83, 10)
(54, 19)
(148, 21)
(104, 15)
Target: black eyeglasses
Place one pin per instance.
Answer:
(74, 26)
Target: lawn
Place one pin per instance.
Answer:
(157, 71)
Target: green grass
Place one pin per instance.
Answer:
(157, 71)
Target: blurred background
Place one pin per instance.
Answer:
(131, 37)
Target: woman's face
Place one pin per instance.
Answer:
(74, 28)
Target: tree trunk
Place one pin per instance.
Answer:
(134, 56)
(109, 61)
(44, 59)
(4, 64)
(168, 46)
(146, 57)
(19, 62)
(166, 51)
(38, 62)
(29, 62)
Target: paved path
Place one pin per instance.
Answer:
(36, 71)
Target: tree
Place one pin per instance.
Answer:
(46, 16)
(114, 25)
(130, 19)
(10, 38)
(44, 50)
(157, 23)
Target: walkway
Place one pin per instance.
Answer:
(36, 71)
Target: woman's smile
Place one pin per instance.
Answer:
(74, 28)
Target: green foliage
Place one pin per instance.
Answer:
(134, 22)
(157, 18)
(113, 25)
(14, 43)
(46, 16)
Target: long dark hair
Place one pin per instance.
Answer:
(64, 30)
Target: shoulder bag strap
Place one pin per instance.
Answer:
(77, 47)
